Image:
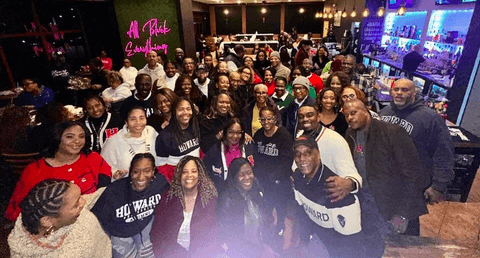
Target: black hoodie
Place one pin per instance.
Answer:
(431, 137)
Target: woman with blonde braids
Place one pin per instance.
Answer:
(185, 223)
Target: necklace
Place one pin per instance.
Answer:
(45, 245)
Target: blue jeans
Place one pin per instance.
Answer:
(374, 226)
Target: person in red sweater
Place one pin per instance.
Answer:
(314, 79)
(269, 75)
(67, 158)
(107, 61)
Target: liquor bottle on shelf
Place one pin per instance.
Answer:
(418, 34)
(412, 32)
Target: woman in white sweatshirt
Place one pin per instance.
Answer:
(135, 137)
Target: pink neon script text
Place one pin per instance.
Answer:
(131, 50)
(154, 30)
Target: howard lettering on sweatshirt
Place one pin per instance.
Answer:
(143, 208)
(398, 121)
(188, 144)
(270, 149)
(346, 220)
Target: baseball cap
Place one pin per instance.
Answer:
(201, 68)
(305, 140)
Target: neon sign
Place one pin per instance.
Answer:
(154, 29)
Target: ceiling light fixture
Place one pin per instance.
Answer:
(402, 10)
(264, 10)
(301, 10)
(354, 12)
(344, 13)
(381, 10)
(226, 11)
(366, 12)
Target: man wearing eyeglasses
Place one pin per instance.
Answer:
(357, 80)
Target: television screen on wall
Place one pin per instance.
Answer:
(448, 2)
(397, 3)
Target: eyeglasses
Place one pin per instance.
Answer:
(235, 132)
(351, 96)
(261, 93)
(298, 88)
(266, 119)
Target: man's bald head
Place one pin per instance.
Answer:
(143, 76)
(403, 93)
(234, 75)
(355, 103)
(235, 80)
(357, 114)
(143, 84)
(407, 82)
(151, 59)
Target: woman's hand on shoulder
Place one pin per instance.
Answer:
(248, 138)
(119, 174)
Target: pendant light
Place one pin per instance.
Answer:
(366, 12)
(381, 10)
(354, 13)
(402, 10)
(344, 14)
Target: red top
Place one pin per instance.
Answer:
(107, 63)
(271, 88)
(83, 172)
(300, 56)
(257, 80)
(316, 82)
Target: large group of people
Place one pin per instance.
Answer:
(223, 156)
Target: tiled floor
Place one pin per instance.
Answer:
(455, 221)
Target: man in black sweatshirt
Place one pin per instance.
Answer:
(142, 96)
(392, 174)
(429, 134)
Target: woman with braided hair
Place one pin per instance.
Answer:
(56, 222)
(185, 221)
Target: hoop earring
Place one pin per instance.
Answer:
(49, 231)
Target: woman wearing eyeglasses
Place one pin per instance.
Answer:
(251, 112)
(351, 92)
(274, 158)
(218, 158)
